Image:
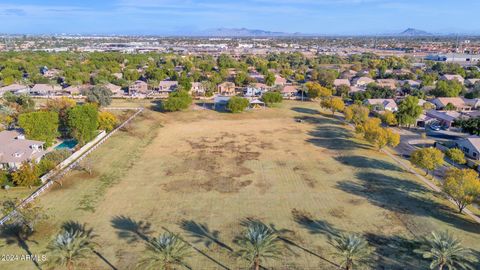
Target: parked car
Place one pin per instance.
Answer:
(435, 127)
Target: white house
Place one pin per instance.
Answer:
(470, 146)
(381, 104)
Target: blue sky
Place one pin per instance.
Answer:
(165, 17)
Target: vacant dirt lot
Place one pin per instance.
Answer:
(205, 175)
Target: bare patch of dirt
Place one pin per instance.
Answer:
(338, 212)
(355, 201)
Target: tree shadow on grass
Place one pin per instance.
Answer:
(369, 163)
(405, 197)
(203, 234)
(335, 138)
(130, 229)
(395, 252)
(305, 110)
(314, 226)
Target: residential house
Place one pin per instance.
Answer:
(197, 89)
(15, 149)
(445, 118)
(115, 89)
(14, 89)
(412, 83)
(289, 91)
(471, 82)
(470, 146)
(41, 89)
(387, 83)
(361, 81)
(75, 90)
(381, 104)
(226, 89)
(348, 74)
(138, 87)
(338, 82)
(461, 104)
(166, 87)
(279, 80)
(450, 77)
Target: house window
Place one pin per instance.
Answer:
(474, 154)
(466, 150)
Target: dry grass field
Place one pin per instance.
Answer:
(205, 175)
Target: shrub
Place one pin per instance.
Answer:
(177, 101)
(271, 98)
(237, 104)
(456, 155)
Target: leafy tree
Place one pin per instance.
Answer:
(427, 158)
(177, 101)
(164, 252)
(185, 82)
(375, 134)
(356, 114)
(471, 125)
(456, 155)
(271, 98)
(342, 91)
(452, 88)
(83, 122)
(389, 118)
(26, 175)
(335, 104)
(446, 252)
(270, 79)
(41, 125)
(237, 104)
(409, 111)
(315, 90)
(462, 185)
(99, 95)
(450, 107)
(71, 245)
(61, 106)
(258, 244)
(107, 121)
(352, 248)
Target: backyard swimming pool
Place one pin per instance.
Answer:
(68, 144)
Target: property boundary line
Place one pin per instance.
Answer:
(63, 171)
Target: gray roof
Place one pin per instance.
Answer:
(15, 149)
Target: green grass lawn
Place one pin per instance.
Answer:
(205, 175)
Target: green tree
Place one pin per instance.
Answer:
(177, 101)
(446, 252)
(99, 95)
(270, 79)
(83, 122)
(427, 158)
(389, 118)
(70, 246)
(271, 98)
(41, 126)
(471, 125)
(258, 244)
(409, 111)
(452, 88)
(164, 252)
(237, 104)
(462, 185)
(353, 249)
(456, 155)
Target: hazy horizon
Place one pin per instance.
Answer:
(190, 17)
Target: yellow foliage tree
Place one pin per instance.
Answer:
(107, 121)
(427, 158)
(462, 185)
(335, 104)
(389, 118)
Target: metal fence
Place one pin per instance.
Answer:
(60, 173)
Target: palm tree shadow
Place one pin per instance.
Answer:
(313, 226)
(203, 234)
(18, 233)
(130, 229)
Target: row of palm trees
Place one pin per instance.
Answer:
(258, 244)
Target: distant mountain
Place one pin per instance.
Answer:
(244, 32)
(412, 32)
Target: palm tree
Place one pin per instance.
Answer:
(353, 248)
(259, 243)
(446, 252)
(164, 252)
(71, 245)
